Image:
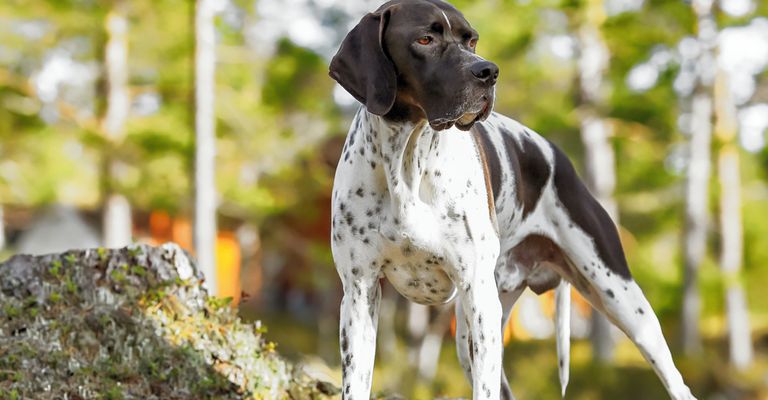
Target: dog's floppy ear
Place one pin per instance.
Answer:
(362, 66)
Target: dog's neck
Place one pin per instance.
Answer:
(402, 148)
(400, 152)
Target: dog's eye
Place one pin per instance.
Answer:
(472, 43)
(424, 40)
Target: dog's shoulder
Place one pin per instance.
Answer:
(517, 141)
(508, 128)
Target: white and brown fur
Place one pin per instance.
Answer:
(477, 216)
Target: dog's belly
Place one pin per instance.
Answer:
(424, 283)
(538, 260)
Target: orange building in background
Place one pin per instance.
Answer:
(165, 228)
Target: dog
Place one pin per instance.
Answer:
(447, 199)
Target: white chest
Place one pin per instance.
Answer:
(412, 204)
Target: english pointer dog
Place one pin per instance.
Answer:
(446, 198)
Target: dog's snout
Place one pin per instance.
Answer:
(485, 71)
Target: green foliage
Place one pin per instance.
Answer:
(295, 79)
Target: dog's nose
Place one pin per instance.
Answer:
(485, 71)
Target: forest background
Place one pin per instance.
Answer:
(214, 124)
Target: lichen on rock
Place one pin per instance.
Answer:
(131, 323)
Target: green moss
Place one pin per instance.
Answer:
(10, 375)
(138, 271)
(114, 393)
(102, 252)
(135, 251)
(69, 285)
(55, 269)
(117, 276)
(54, 297)
(217, 303)
(12, 394)
(71, 259)
(10, 312)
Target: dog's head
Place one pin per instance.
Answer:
(415, 59)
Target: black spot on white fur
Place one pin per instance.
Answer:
(532, 171)
(589, 215)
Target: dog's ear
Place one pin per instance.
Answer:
(362, 66)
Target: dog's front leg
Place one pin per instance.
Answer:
(482, 310)
(358, 323)
(508, 297)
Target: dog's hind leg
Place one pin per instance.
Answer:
(623, 302)
(613, 292)
(598, 269)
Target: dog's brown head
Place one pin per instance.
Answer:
(415, 59)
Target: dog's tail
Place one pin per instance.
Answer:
(563, 332)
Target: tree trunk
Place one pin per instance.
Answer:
(600, 171)
(418, 323)
(205, 142)
(697, 181)
(387, 334)
(429, 352)
(731, 228)
(696, 218)
(601, 179)
(117, 211)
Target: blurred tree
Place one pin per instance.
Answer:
(599, 157)
(206, 197)
(117, 224)
(48, 69)
(158, 148)
(739, 61)
(698, 174)
(432, 342)
(731, 229)
(418, 325)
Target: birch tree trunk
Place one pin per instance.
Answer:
(429, 351)
(417, 324)
(697, 179)
(205, 142)
(600, 171)
(116, 218)
(696, 218)
(731, 228)
(386, 336)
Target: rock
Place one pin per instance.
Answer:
(133, 323)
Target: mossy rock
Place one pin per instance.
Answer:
(132, 323)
